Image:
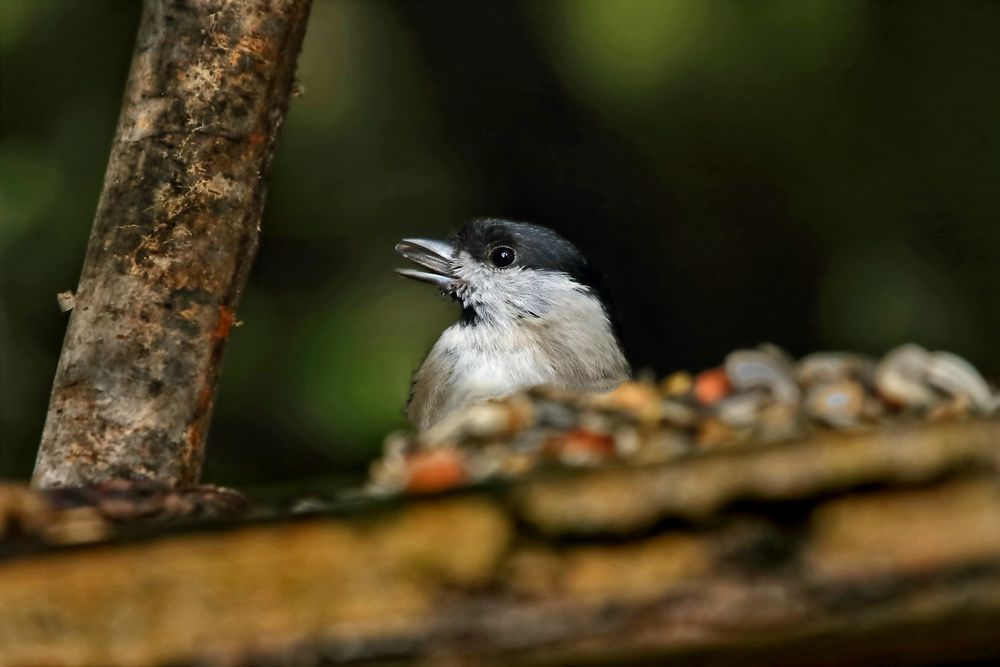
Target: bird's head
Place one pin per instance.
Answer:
(502, 272)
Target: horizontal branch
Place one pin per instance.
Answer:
(826, 551)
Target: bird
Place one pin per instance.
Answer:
(534, 311)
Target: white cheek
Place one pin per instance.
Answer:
(502, 295)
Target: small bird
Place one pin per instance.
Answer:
(534, 312)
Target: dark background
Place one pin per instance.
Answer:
(819, 174)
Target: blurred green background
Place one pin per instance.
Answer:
(820, 174)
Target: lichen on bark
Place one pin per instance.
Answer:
(173, 239)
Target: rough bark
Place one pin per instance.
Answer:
(883, 548)
(173, 239)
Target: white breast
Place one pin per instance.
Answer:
(487, 362)
(569, 346)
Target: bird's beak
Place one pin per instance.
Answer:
(434, 255)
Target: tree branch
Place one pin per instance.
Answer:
(173, 239)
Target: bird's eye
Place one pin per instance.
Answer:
(502, 256)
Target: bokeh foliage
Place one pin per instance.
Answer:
(817, 173)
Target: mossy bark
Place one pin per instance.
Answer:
(173, 239)
(868, 549)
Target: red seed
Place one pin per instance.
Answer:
(581, 443)
(711, 386)
(436, 470)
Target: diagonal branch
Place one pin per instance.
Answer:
(173, 239)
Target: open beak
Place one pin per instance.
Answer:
(433, 255)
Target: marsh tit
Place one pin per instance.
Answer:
(534, 312)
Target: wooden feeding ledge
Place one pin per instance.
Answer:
(861, 548)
